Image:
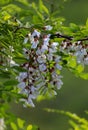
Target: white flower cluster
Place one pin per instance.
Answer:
(77, 49)
(42, 73)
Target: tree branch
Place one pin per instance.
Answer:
(61, 36)
(58, 35)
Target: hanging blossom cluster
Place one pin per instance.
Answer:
(42, 71)
(77, 49)
(43, 66)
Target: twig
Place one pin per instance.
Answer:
(61, 36)
(58, 35)
(66, 37)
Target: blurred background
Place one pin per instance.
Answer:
(73, 96)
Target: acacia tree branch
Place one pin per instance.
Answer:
(58, 35)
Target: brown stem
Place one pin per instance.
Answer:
(66, 37)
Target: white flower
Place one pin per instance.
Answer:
(48, 27)
(42, 67)
(54, 74)
(13, 63)
(24, 91)
(38, 51)
(30, 97)
(25, 40)
(40, 84)
(31, 102)
(83, 51)
(79, 56)
(31, 69)
(86, 61)
(59, 84)
(25, 51)
(33, 89)
(41, 59)
(57, 66)
(34, 44)
(77, 47)
(22, 76)
(31, 37)
(50, 57)
(44, 48)
(21, 85)
(11, 48)
(36, 33)
(27, 102)
(54, 92)
(46, 40)
(57, 59)
(54, 45)
(51, 50)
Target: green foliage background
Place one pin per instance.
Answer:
(73, 95)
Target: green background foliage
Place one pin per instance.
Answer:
(73, 95)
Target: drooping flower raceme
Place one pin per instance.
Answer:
(77, 49)
(42, 71)
(43, 66)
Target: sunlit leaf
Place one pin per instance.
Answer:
(41, 98)
(42, 7)
(72, 62)
(29, 127)
(13, 126)
(80, 68)
(20, 122)
(45, 9)
(87, 23)
(84, 75)
(74, 28)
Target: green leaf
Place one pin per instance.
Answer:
(4, 75)
(11, 82)
(40, 5)
(73, 124)
(19, 59)
(35, 19)
(20, 123)
(34, 6)
(84, 75)
(72, 62)
(10, 33)
(41, 98)
(18, 68)
(29, 127)
(87, 23)
(32, 127)
(80, 68)
(13, 126)
(45, 9)
(74, 28)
